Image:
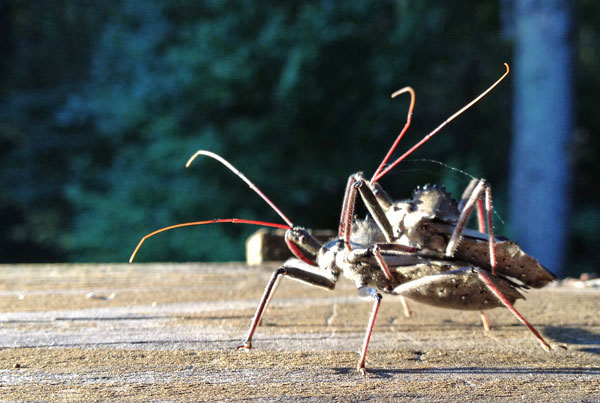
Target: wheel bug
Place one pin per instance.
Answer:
(418, 248)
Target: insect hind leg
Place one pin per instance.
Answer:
(492, 287)
(466, 288)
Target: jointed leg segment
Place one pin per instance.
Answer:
(368, 292)
(388, 275)
(297, 270)
(473, 195)
(492, 287)
(357, 184)
(347, 209)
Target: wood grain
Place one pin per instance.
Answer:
(169, 331)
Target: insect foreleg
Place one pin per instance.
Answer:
(356, 183)
(375, 209)
(298, 270)
(347, 209)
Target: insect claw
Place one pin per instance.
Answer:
(362, 370)
(545, 345)
(247, 346)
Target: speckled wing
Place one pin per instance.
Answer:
(511, 260)
(461, 288)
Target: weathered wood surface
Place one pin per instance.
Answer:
(169, 332)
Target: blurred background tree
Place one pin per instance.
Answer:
(101, 104)
(543, 126)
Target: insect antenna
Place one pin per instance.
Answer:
(242, 177)
(293, 248)
(404, 129)
(216, 220)
(379, 173)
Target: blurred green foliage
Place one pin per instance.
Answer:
(101, 105)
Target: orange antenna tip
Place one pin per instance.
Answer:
(402, 91)
(401, 134)
(381, 172)
(214, 221)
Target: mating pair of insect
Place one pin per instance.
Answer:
(418, 248)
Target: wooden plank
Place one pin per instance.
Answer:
(169, 331)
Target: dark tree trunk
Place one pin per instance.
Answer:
(543, 119)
